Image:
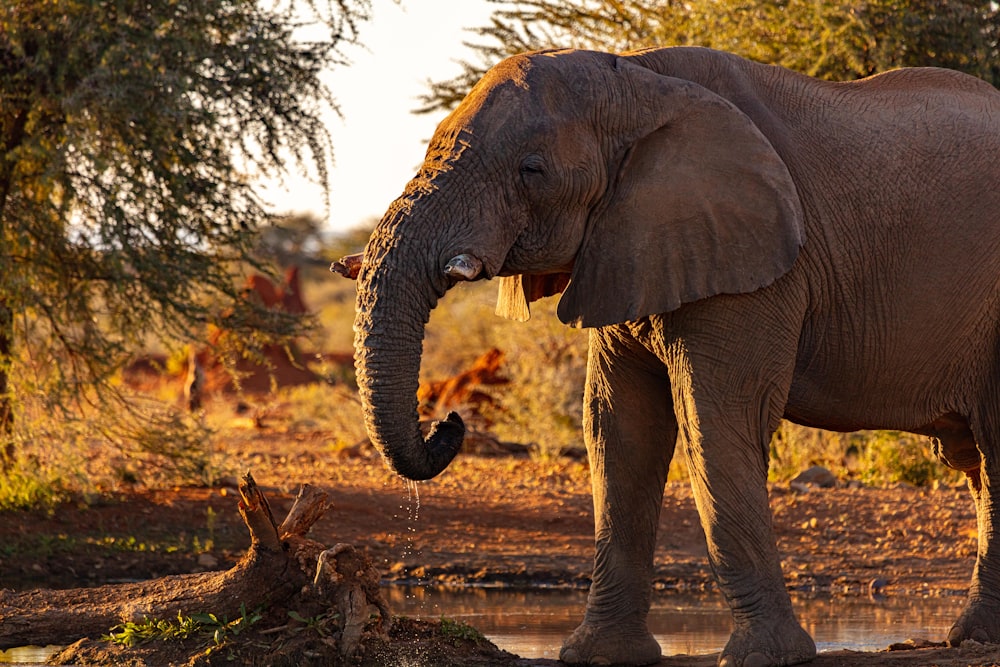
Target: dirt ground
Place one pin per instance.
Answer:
(512, 521)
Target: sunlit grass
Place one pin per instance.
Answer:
(155, 443)
(26, 487)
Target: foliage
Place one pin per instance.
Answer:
(541, 406)
(893, 456)
(219, 629)
(872, 457)
(822, 38)
(292, 240)
(172, 442)
(29, 486)
(334, 409)
(128, 130)
(458, 630)
(544, 360)
(320, 623)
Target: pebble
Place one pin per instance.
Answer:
(207, 560)
(817, 476)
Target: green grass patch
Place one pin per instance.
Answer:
(213, 628)
(31, 486)
(453, 629)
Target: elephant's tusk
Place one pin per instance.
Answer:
(348, 266)
(463, 267)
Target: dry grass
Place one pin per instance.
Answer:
(545, 362)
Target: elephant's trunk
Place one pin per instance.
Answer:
(393, 306)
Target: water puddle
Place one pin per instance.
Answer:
(28, 654)
(534, 623)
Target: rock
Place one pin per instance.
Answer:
(208, 561)
(914, 644)
(877, 586)
(798, 488)
(816, 476)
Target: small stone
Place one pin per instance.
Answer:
(877, 585)
(798, 488)
(917, 643)
(817, 476)
(207, 561)
(227, 482)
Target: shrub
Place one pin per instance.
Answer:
(545, 361)
(873, 457)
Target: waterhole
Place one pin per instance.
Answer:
(533, 623)
(28, 654)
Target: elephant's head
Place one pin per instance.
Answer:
(566, 170)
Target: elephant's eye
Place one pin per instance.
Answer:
(533, 164)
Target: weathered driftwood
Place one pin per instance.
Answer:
(281, 563)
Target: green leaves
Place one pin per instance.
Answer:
(129, 131)
(207, 624)
(829, 39)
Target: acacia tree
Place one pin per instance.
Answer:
(834, 40)
(128, 129)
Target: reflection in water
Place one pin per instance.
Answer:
(28, 654)
(533, 623)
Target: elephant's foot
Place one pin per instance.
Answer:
(979, 621)
(768, 644)
(610, 645)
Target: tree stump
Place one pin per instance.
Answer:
(282, 568)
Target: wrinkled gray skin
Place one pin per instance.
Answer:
(744, 244)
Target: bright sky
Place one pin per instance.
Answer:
(379, 143)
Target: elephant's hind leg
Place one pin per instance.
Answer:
(630, 432)
(980, 620)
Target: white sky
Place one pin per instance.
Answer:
(379, 143)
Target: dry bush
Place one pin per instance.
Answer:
(872, 457)
(331, 298)
(334, 409)
(544, 360)
(77, 449)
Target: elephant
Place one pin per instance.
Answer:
(744, 244)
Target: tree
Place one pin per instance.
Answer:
(128, 129)
(830, 40)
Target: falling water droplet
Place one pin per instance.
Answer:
(414, 502)
(412, 513)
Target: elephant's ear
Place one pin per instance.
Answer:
(703, 205)
(516, 292)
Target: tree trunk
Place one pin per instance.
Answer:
(6, 410)
(280, 565)
(12, 132)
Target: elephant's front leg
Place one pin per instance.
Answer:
(726, 417)
(980, 620)
(630, 432)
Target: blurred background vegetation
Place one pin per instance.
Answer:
(128, 223)
(838, 40)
